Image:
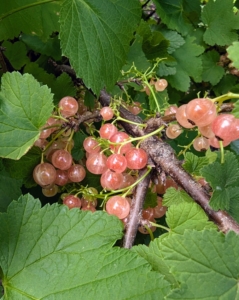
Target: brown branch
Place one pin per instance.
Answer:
(164, 159)
(136, 210)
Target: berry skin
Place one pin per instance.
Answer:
(117, 163)
(61, 159)
(72, 201)
(107, 113)
(118, 206)
(201, 111)
(44, 174)
(136, 159)
(69, 106)
(182, 117)
(96, 163)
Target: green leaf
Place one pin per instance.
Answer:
(23, 168)
(180, 15)
(173, 196)
(233, 54)
(16, 54)
(50, 47)
(34, 18)
(39, 74)
(220, 22)
(225, 84)
(136, 55)
(89, 99)
(10, 188)
(225, 199)
(62, 86)
(24, 108)
(78, 151)
(205, 262)
(221, 177)
(212, 72)
(175, 40)
(166, 68)
(98, 52)
(150, 199)
(187, 215)
(69, 255)
(193, 163)
(155, 259)
(188, 65)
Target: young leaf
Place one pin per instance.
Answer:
(69, 255)
(212, 72)
(205, 262)
(188, 65)
(220, 22)
(24, 108)
(180, 15)
(187, 215)
(34, 18)
(193, 164)
(10, 188)
(173, 196)
(98, 52)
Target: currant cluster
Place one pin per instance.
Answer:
(213, 128)
(57, 167)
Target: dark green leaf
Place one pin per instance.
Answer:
(23, 168)
(188, 65)
(16, 54)
(180, 15)
(78, 151)
(51, 47)
(10, 188)
(212, 72)
(150, 199)
(34, 18)
(98, 52)
(220, 22)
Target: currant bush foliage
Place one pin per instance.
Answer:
(51, 252)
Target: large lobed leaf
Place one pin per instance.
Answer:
(207, 263)
(34, 18)
(220, 22)
(69, 255)
(96, 35)
(24, 108)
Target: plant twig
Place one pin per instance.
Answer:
(136, 210)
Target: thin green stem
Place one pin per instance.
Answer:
(222, 152)
(152, 92)
(128, 121)
(142, 137)
(11, 12)
(150, 232)
(55, 137)
(160, 226)
(225, 97)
